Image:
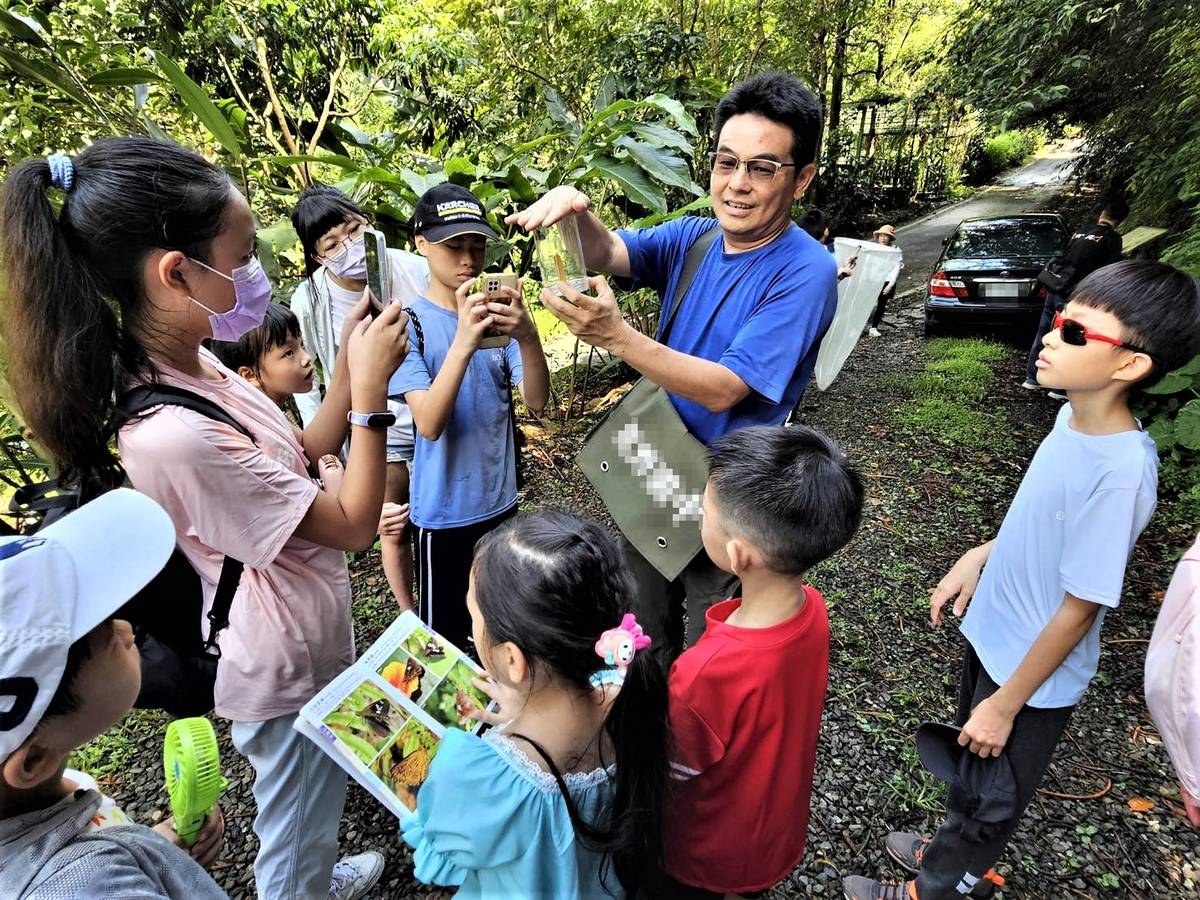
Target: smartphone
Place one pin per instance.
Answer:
(379, 276)
(491, 283)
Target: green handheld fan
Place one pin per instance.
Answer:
(192, 765)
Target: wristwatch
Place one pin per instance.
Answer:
(371, 419)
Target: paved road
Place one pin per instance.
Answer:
(1027, 189)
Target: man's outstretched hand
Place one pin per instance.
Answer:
(597, 319)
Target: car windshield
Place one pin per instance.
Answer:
(1009, 237)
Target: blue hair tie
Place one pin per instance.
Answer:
(62, 171)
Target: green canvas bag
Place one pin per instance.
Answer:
(646, 466)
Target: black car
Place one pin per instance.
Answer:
(988, 270)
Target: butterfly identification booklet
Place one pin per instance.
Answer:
(383, 719)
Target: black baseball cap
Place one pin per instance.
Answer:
(446, 211)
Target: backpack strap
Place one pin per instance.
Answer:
(133, 404)
(417, 330)
(138, 400)
(691, 265)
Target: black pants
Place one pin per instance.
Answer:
(881, 305)
(1054, 303)
(950, 859)
(660, 604)
(443, 564)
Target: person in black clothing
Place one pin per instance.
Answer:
(1088, 251)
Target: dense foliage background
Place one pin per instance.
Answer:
(923, 98)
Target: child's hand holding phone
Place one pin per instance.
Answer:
(474, 318)
(509, 314)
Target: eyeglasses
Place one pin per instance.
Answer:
(760, 171)
(1075, 334)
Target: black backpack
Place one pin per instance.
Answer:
(178, 660)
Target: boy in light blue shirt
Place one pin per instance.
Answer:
(464, 468)
(1042, 586)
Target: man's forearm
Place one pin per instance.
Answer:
(1055, 643)
(600, 252)
(708, 383)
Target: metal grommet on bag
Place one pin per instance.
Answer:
(662, 542)
(604, 465)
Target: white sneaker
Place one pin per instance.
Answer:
(355, 875)
(873, 332)
(1056, 395)
(1030, 385)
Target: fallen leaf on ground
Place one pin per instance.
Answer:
(1141, 804)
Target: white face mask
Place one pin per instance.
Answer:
(349, 262)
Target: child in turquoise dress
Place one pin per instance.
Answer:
(564, 799)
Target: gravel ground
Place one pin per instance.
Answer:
(928, 502)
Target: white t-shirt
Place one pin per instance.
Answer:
(1070, 528)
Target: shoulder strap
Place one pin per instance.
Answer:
(134, 402)
(137, 401)
(417, 330)
(691, 265)
(581, 827)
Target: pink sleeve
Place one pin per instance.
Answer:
(1172, 677)
(216, 485)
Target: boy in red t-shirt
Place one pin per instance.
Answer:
(746, 699)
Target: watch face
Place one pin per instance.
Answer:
(381, 420)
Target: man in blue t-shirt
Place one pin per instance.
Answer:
(744, 341)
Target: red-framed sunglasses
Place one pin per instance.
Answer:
(1075, 334)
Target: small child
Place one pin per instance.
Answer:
(68, 672)
(565, 798)
(1042, 586)
(272, 358)
(461, 402)
(746, 699)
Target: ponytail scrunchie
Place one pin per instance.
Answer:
(62, 171)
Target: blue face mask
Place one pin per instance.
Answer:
(252, 294)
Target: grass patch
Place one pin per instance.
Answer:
(966, 348)
(113, 752)
(947, 394)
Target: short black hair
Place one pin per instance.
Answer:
(815, 223)
(1157, 305)
(1116, 208)
(789, 491)
(780, 97)
(279, 325)
(65, 701)
(319, 208)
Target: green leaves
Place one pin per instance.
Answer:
(666, 167)
(123, 77)
(675, 110)
(1187, 425)
(198, 103)
(633, 182)
(49, 75)
(21, 30)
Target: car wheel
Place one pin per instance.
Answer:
(933, 328)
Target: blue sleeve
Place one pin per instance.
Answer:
(473, 812)
(413, 374)
(787, 323)
(656, 253)
(512, 355)
(1098, 542)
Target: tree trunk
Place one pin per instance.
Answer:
(837, 83)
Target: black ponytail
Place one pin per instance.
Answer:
(73, 297)
(552, 583)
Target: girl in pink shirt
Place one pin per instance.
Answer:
(151, 253)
